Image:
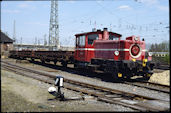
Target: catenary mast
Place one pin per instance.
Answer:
(54, 26)
(14, 33)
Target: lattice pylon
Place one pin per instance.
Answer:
(54, 27)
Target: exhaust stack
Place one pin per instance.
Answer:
(105, 34)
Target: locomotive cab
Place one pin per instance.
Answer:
(84, 49)
(87, 48)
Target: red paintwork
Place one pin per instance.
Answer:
(107, 45)
(127, 44)
(104, 48)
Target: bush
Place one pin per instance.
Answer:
(162, 60)
(167, 59)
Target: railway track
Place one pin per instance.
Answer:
(113, 96)
(150, 85)
(147, 85)
(162, 67)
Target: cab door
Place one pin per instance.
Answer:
(80, 50)
(90, 46)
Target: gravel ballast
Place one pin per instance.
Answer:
(95, 81)
(99, 82)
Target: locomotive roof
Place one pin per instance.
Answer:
(93, 32)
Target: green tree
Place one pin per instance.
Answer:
(161, 47)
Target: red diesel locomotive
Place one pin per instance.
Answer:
(105, 51)
(102, 51)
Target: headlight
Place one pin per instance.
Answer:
(150, 54)
(116, 53)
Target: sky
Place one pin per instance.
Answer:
(148, 19)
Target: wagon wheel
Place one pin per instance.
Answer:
(64, 64)
(43, 61)
(55, 62)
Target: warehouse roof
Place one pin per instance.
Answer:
(5, 39)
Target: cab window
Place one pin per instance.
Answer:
(92, 37)
(113, 37)
(77, 41)
(81, 41)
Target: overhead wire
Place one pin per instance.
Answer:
(133, 25)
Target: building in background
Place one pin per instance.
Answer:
(6, 45)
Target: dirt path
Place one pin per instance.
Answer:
(23, 94)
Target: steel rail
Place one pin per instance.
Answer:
(130, 83)
(151, 86)
(100, 96)
(85, 84)
(162, 67)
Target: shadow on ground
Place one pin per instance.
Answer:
(84, 72)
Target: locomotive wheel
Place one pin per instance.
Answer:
(42, 61)
(118, 77)
(127, 78)
(75, 66)
(147, 76)
(127, 75)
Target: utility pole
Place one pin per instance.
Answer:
(54, 26)
(21, 40)
(35, 43)
(14, 33)
(45, 41)
(38, 42)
